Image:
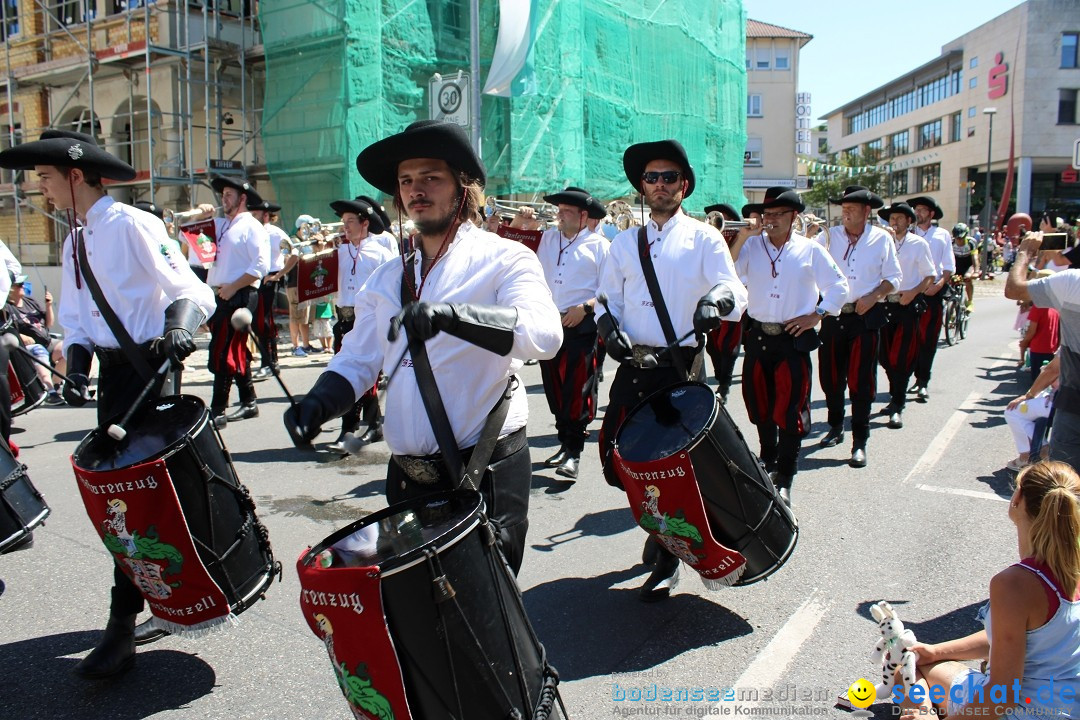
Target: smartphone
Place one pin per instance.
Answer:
(1054, 241)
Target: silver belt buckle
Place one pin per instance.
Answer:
(419, 470)
(893, 297)
(847, 309)
(773, 329)
(641, 352)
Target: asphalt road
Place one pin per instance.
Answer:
(924, 526)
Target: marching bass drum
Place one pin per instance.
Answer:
(21, 506)
(696, 487)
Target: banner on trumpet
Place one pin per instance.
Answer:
(317, 275)
(201, 238)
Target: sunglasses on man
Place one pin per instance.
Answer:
(668, 176)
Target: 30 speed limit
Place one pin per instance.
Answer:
(450, 98)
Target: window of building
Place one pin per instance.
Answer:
(1066, 107)
(763, 57)
(974, 63)
(782, 58)
(898, 183)
(971, 111)
(898, 143)
(119, 6)
(872, 150)
(1069, 43)
(850, 156)
(926, 94)
(929, 178)
(973, 82)
(954, 132)
(753, 106)
(752, 156)
(6, 132)
(10, 26)
(75, 12)
(930, 135)
(749, 59)
(822, 145)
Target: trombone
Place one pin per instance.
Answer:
(170, 217)
(544, 211)
(717, 220)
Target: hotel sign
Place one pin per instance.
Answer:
(802, 124)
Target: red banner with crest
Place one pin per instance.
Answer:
(201, 238)
(317, 275)
(17, 395)
(137, 514)
(528, 238)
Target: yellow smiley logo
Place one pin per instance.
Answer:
(861, 693)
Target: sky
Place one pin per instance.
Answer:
(855, 51)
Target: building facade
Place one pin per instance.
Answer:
(1007, 90)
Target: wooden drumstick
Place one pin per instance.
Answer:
(116, 431)
(11, 341)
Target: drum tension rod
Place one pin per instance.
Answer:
(443, 589)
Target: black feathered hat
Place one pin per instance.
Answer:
(728, 211)
(570, 196)
(929, 202)
(772, 196)
(900, 207)
(379, 210)
(638, 156)
(596, 209)
(858, 194)
(378, 162)
(66, 148)
(363, 209)
(149, 207)
(220, 182)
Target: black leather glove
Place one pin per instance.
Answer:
(490, 327)
(617, 343)
(182, 319)
(330, 397)
(76, 387)
(714, 305)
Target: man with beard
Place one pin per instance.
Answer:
(243, 258)
(785, 273)
(722, 344)
(358, 256)
(899, 337)
(571, 255)
(926, 211)
(699, 286)
(848, 355)
(473, 307)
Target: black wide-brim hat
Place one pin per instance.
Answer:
(596, 209)
(900, 207)
(929, 202)
(363, 209)
(570, 196)
(771, 193)
(728, 211)
(378, 162)
(254, 200)
(638, 156)
(379, 210)
(66, 148)
(149, 207)
(267, 206)
(858, 194)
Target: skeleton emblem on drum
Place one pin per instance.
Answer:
(669, 531)
(136, 551)
(365, 701)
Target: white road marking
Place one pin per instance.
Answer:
(941, 441)
(966, 493)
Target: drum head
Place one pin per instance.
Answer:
(398, 535)
(666, 422)
(150, 435)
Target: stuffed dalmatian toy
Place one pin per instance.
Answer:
(892, 650)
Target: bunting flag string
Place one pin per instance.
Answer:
(816, 167)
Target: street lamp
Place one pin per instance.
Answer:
(989, 137)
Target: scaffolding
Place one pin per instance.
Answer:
(192, 73)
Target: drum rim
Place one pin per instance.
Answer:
(166, 453)
(694, 441)
(308, 558)
(29, 527)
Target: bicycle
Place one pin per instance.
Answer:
(956, 315)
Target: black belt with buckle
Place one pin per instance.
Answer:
(768, 328)
(109, 357)
(893, 297)
(430, 469)
(847, 308)
(663, 356)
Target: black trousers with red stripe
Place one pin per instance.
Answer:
(776, 385)
(722, 345)
(263, 325)
(900, 347)
(848, 360)
(930, 323)
(570, 385)
(229, 355)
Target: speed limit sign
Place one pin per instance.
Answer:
(450, 98)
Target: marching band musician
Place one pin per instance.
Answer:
(266, 331)
(784, 274)
(379, 228)
(723, 343)
(926, 211)
(571, 255)
(899, 337)
(697, 279)
(243, 258)
(157, 301)
(848, 355)
(473, 305)
(358, 257)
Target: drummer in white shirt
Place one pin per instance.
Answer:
(571, 255)
(926, 211)
(359, 254)
(480, 306)
(264, 327)
(900, 337)
(784, 273)
(848, 356)
(243, 258)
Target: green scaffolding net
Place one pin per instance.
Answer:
(341, 74)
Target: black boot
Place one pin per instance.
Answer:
(373, 434)
(783, 486)
(245, 411)
(220, 399)
(835, 436)
(146, 633)
(115, 654)
(558, 458)
(664, 578)
(569, 468)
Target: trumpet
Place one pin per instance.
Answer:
(309, 230)
(717, 220)
(544, 211)
(170, 217)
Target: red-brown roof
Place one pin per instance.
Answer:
(756, 28)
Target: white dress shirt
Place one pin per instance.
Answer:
(574, 273)
(868, 261)
(11, 266)
(388, 241)
(243, 248)
(804, 270)
(916, 262)
(479, 268)
(690, 257)
(277, 255)
(940, 241)
(140, 273)
(355, 264)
